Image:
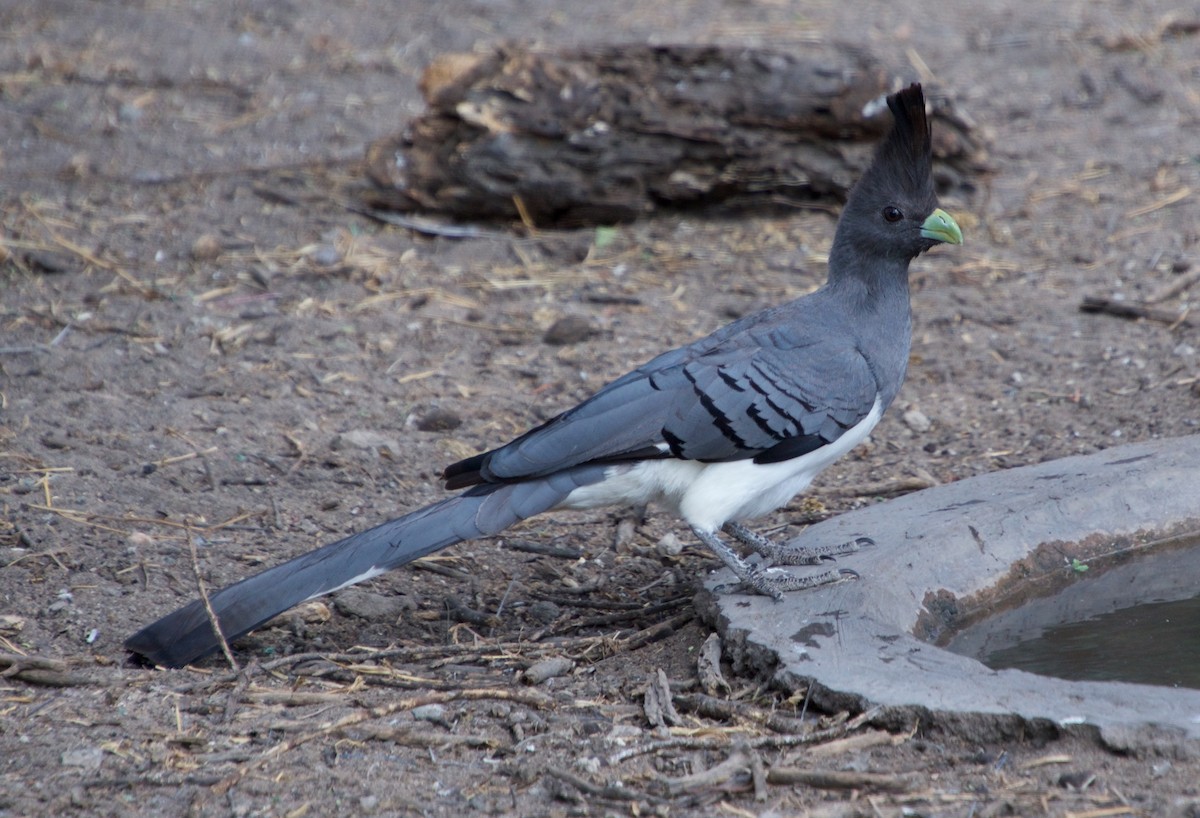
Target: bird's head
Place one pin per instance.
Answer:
(893, 210)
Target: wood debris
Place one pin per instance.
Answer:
(606, 134)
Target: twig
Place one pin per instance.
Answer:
(130, 782)
(1173, 288)
(591, 604)
(39, 670)
(292, 698)
(544, 550)
(883, 488)
(422, 653)
(716, 777)
(420, 737)
(51, 553)
(858, 742)
(722, 742)
(612, 792)
(1134, 309)
(714, 708)
(1170, 199)
(656, 632)
(842, 780)
(628, 615)
(427, 226)
(759, 742)
(208, 608)
(758, 774)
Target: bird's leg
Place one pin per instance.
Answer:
(768, 582)
(783, 555)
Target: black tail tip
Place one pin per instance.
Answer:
(176, 640)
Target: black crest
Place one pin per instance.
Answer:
(906, 155)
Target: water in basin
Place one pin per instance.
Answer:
(1138, 622)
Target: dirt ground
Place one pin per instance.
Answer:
(208, 364)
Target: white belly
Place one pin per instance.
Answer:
(708, 495)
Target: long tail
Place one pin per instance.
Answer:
(186, 635)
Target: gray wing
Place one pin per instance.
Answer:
(769, 393)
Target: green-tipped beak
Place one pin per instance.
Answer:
(941, 227)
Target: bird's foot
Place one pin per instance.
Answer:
(769, 581)
(775, 583)
(783, 555)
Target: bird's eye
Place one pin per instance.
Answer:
(892, 214)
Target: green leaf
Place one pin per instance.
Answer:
(605, 236)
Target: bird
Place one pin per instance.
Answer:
(720, 431)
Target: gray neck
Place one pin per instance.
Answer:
(874, 294)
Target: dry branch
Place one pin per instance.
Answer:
(611, 133)
(39, 670)
(712, 707)
(843, 780)
(1134, 309)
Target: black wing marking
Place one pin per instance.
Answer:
(770, 398)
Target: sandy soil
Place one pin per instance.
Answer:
(208, 364)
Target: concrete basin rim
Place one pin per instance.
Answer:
(1121, 482)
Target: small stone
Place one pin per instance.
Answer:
(206, 248)
(89, 758)
(55, 440)
(314, 612)
(139, 539)
(77, 168)
(1077, 780)
(1184, 351)
(129, 113)
(52, 261)
(589, 764)
(368, 605)
(438, 420)
(377, 442)
(626, 531)
(433, 713)
(622, 735)
(547, 669)
(570, 329)
(325, 255)
(915, 419)
(669, 545)
(544, 612)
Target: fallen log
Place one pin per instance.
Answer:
(612, 133)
